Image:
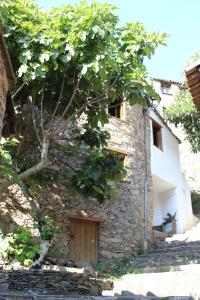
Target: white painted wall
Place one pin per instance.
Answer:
(171, 191)
(157, 210)
(165, 163)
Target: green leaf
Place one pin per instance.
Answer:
(44, 57)
(84, 69)
(23, 69)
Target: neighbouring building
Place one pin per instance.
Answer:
(190, 162)
(171, 193)
(7, 79)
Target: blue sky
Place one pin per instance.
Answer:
(179, 18)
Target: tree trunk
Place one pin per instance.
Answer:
(44, 245)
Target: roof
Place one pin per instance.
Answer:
(6, 60)
(192, 73)
(165, 81)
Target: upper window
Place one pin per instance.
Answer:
(166, 88)
(116, 109)
(157, 135)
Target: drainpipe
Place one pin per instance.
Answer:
(146, 119)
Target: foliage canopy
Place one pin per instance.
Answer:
(183, 112)
(70, 61)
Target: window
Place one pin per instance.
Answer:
(164, 109)
(157, 135)
(116, 109)
(166, 88)
(120, 155)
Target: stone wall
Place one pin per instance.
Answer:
(15, 210)
(122, 230)
(3, 92)
(52, 282)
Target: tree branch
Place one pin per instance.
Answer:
(67, 107)
(18, 90)
(59, 100)
(44, 163)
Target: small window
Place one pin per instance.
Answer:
(166, 88)
(116, 109)
(157, 135)
(120, 155)
(164, 109)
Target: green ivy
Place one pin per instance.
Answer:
(95, 172)
(20, 246)
(23, 246)
(6, 161)
(46, 228)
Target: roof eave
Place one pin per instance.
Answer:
(192, 73)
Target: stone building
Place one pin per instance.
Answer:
(120, 227)
(7, 78)
(153, 187)
(90, 232)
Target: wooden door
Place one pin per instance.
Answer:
(83, 242)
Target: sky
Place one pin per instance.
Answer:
(178, 18)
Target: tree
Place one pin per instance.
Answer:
(183, 112)
(71, 63)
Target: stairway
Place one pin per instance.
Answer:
(172, 268)
(168, 256)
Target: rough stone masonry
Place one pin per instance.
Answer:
(121, 230)
(7, 77)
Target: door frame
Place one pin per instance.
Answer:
(82, 219)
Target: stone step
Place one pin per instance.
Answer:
(171, 268)
(155, 268)
(164, 244)
(167, 255)
(123, 296)
(172, 252)
(164, 260)
(175, 248)
(3, 282)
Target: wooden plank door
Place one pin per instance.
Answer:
(83, 242)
